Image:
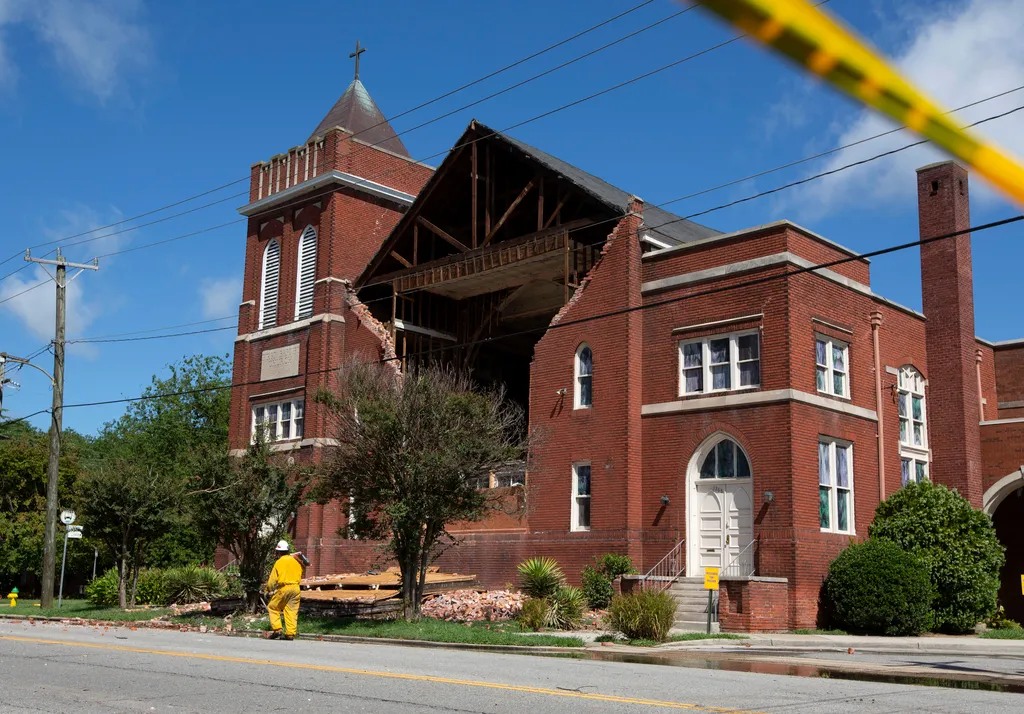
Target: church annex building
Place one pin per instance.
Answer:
(753, 429)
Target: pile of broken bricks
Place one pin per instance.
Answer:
(474, 605)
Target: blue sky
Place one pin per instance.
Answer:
(110, 108)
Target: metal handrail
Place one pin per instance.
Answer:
(667, 571)
(742, 566)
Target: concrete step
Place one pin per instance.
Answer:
(694, 626)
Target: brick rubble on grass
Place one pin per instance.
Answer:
(473, 605)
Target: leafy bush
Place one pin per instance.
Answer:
(534, 614)
(152, 587)
(956, 543)
(999, 621)
(597, 587)
(565, 608)
(614, 565)
(193, 583)
(102, 591)
(233, 586)
(877, 589)
(643, 615)
(151, 590)
(540, 577)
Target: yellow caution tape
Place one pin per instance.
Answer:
(814, 40)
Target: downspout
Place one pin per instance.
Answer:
(981, 397)
(876, 322)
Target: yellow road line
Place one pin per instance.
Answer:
(390, 675)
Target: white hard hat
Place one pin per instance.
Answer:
(282, 545)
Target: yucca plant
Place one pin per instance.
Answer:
(192, 583)
(643, 615)
(540, 577)
(565, 611)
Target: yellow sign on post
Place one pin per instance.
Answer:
(711, 578)
(1022, 584)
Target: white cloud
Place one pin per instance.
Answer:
(97, 43)
(220, 297)
(36, 307)
(958, 54)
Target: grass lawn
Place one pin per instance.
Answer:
(81, 608)
(1003, 635)
(819, 632)
(478, 633)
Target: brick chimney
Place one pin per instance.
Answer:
(947, 285)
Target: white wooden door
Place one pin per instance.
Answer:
(724, 523)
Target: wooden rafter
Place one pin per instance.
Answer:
(558, 208)
(462, 247)
(473, 170)
(400, 259)
(508, 211)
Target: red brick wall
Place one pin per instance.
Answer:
(988, 382)
(948, 298)
(607, 435)
(1002, 451)
(753, 606)
(1009, 364)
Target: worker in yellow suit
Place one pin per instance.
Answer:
(284, 586)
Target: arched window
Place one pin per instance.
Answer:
(584, 398)
(913, 425)
(725, 460)
(269, 282)
(307, 274)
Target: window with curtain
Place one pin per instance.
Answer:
(725, 460)
(269, 285)
(584, 397)
(832, 365)
(913, 425)
(279, 421)
(720, 363)
(835, 486)
(307, 274)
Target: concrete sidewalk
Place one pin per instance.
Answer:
(935, 644)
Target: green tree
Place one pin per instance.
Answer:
(957, 544)
(410, 451)
(246, 505)
(180, 418)
(126, 504)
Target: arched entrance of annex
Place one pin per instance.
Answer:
(1004, 501)
(719, 504)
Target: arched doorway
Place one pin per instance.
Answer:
(1005, 503)
(720, 523)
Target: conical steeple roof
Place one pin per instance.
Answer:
(358, 113)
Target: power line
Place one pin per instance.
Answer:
(399, 115)
(614, 313)
(150, 337)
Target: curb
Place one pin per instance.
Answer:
(467, 646)
(996, 651)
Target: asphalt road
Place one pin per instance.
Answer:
(51, 668)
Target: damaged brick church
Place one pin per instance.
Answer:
(753, 429)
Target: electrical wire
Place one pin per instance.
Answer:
(601, 316)
(397, 116)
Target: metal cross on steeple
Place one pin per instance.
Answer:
(359, 51)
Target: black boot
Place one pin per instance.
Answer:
(274, 635)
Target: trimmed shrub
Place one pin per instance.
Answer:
(956, 543)
(614, 565)
(102, 591)
(875, 588)
(565, 608)
(193, 583)
(597, 587)
(152, 588)
(540, 577)
(534, 614)
(643, 615)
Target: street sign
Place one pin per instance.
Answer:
(67, 517)
(73, 529)
(74, 534)
(711, 578)
(1022, 583)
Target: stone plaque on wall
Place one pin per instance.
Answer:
(280, 362)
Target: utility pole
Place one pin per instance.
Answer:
(53, 465)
